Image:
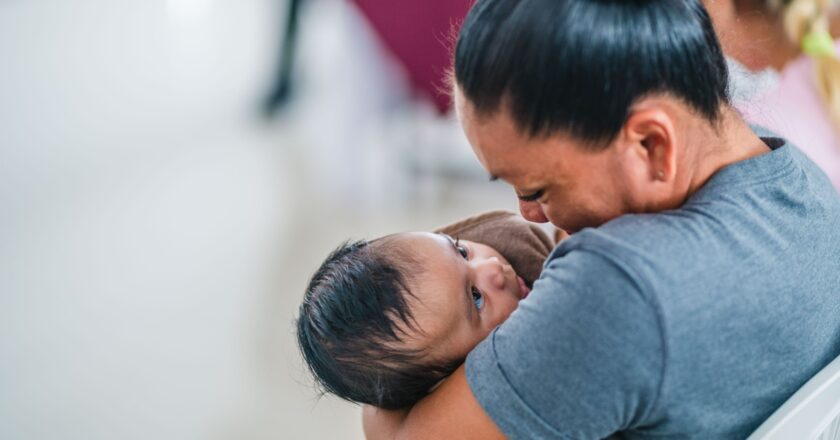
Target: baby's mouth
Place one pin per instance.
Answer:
(523, 288)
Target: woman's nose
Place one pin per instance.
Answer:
(532, 211)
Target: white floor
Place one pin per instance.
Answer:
(156, 235)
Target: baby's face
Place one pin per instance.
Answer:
(464, 290)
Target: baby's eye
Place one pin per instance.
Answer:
(478, 298)
(462, 249)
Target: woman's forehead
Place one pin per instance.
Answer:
(505, 151)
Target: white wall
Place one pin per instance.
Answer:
(156, 235)
(141, 208)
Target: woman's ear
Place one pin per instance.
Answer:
(649, 137)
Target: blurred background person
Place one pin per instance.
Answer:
(157, 231)
(785, 70)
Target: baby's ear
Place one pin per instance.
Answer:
(525, 245)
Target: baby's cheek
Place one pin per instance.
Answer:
(491, 323)
(472, 340)
(483, 332)
(506, 310)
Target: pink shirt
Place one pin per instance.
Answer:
(794, 109)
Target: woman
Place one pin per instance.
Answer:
(699, 288)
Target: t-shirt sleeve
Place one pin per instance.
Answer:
(582, 357)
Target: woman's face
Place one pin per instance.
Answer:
(555, 178)
(463, 291)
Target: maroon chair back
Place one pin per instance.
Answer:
(419, 33)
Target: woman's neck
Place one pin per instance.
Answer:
(716, 147)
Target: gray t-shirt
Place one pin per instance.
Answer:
(692, 323)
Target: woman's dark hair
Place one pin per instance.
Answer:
(352, 326)
(579, 65)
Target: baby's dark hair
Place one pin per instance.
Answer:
(353, 324)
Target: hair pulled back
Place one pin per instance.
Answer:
(579, 65)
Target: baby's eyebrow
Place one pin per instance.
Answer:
(467, 297)
(450, 240)
(447, 237)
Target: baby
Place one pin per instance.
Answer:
(384, 321)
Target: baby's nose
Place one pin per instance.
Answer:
(493, 271)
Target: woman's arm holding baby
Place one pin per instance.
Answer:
(451, 411)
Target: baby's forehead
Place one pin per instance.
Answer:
(419, 242)
(434, 282)
(418, 237)
(429, 258)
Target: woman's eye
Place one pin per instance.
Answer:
(533, 197)
(478, 298)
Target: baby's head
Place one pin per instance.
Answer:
(383, 321)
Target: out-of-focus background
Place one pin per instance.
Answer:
(164, 200)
